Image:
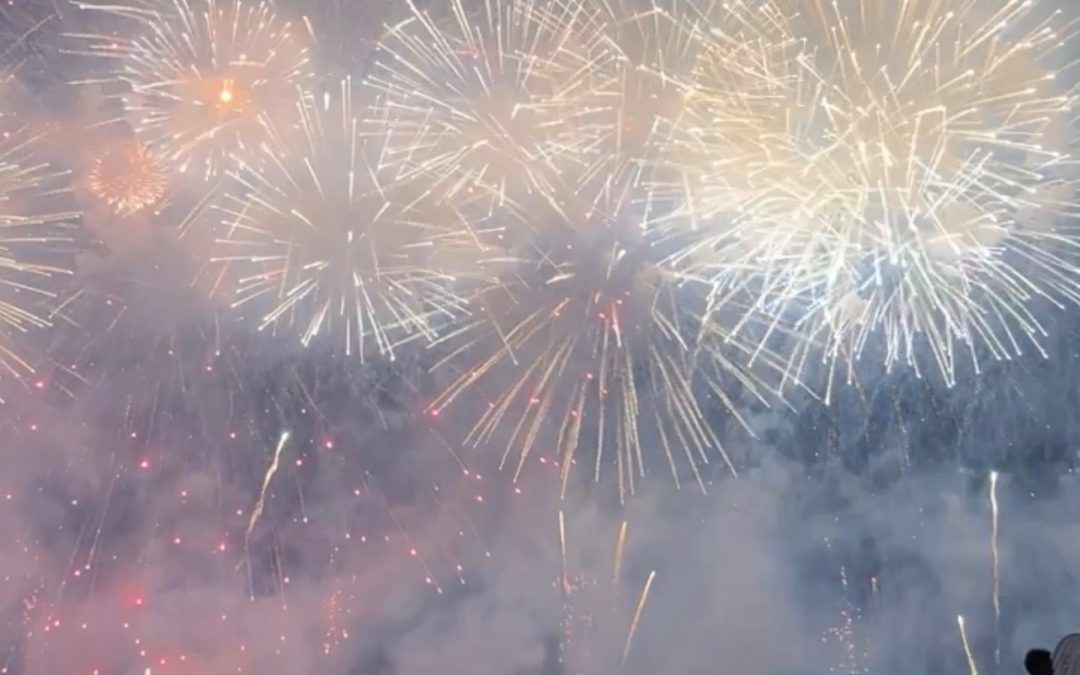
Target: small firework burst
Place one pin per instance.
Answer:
(128, 177)
(202, 76)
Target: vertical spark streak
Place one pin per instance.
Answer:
(261, 503)
(995, 563)
(637, 617)
(972, 668)
(620, 548)
(562, 554)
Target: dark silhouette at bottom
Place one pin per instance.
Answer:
(1038, 662)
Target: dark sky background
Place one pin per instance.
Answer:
(853, 537)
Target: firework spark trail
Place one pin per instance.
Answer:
(637, 616)
(972, 667)
(564, 578)
(483, 99)
(202, 75)
(620, 550)
(316, 241)
(885, 170)
(995, 561)
(256, 512)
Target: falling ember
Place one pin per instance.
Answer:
(637, 616)
(565, 579)
(256, 513)
(996, 592)
(128, 177)
(620, 550)
(972, 668)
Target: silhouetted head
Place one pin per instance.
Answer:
(1038, 662)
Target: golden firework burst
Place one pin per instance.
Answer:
(128, 177)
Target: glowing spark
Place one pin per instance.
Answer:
(637, 616)
(972, 668)
(202, 76)
(318, 241)
(996, 594)
(128, 177)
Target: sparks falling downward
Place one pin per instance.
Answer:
(996, 592)
(972, 668)
(257, 511)
(620, 550)
(637, 616)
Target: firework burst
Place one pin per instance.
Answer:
(202, 76)
(898, 170)
(34, 244)
(319, 242)
(482, 102)
(600, 353)
(604, 347)
(128, 178)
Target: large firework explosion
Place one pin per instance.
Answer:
(315, 236)
(587, 346)
(895, 178)
(202, 76)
